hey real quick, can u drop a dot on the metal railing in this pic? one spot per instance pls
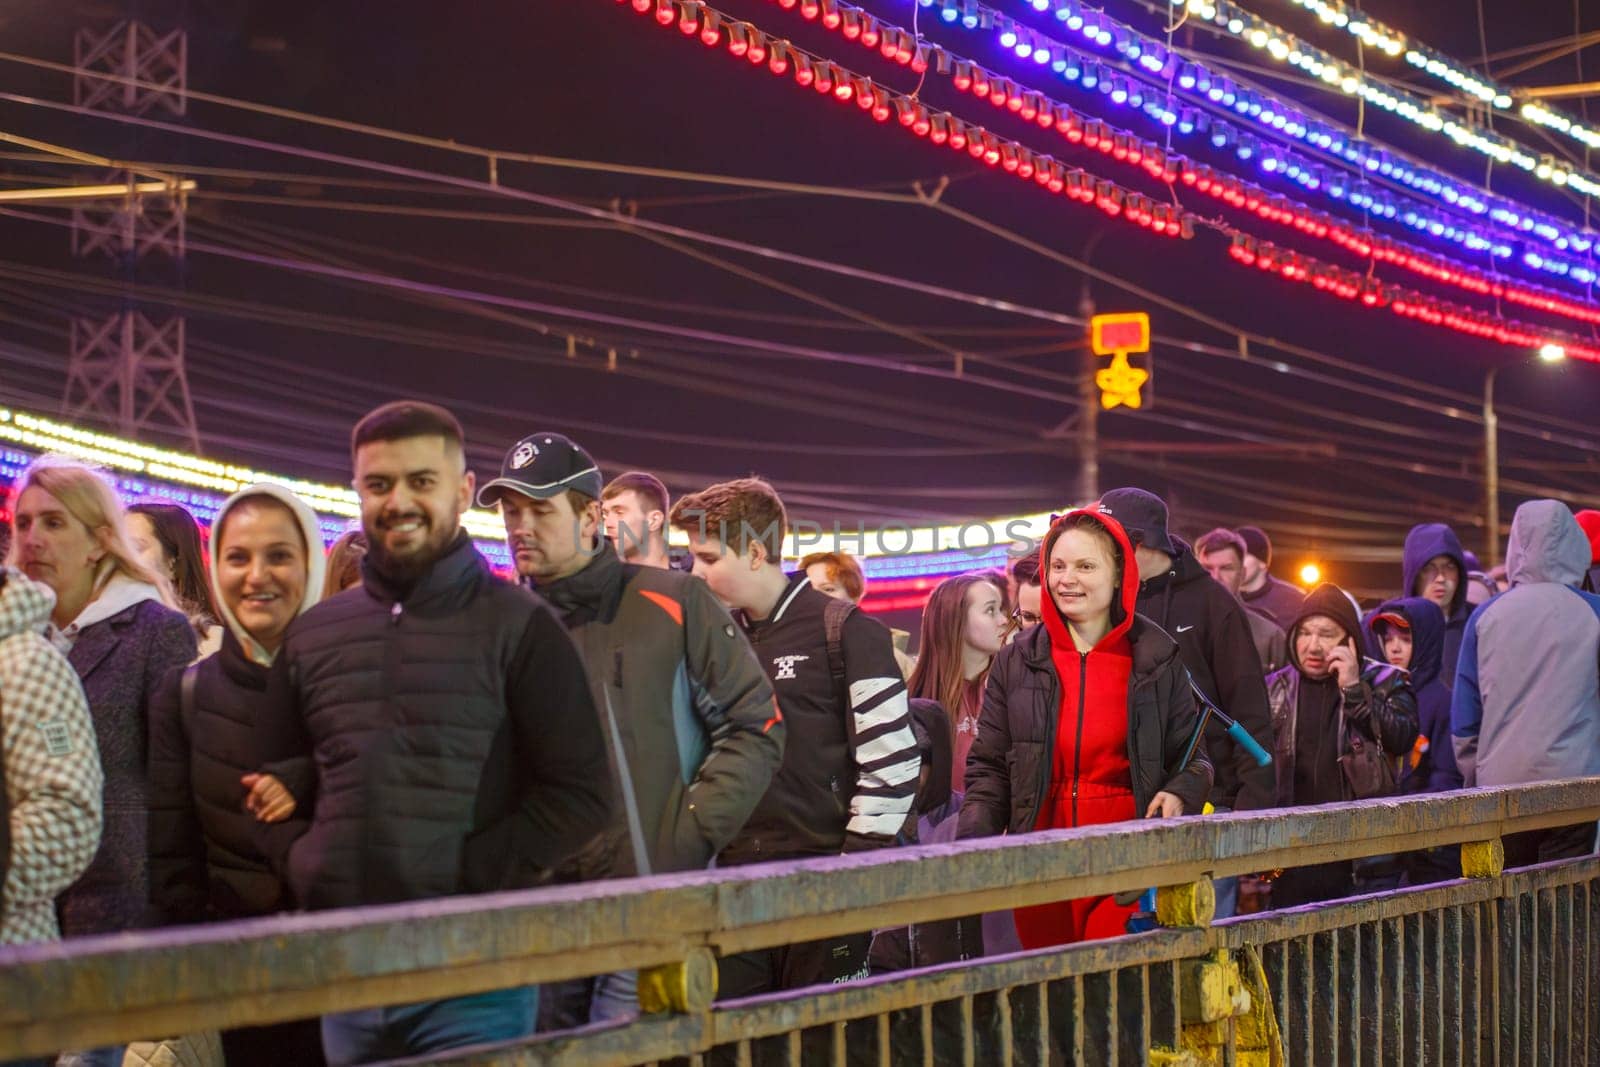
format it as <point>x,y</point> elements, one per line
<point>1501,969</point>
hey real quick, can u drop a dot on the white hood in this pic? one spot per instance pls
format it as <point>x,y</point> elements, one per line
<point>316,559</point>
<point>116,596</point>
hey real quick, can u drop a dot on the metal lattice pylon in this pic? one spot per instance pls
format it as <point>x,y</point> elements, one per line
<point>129,370</point>
<point>135,226</point>
<point>134,52</point>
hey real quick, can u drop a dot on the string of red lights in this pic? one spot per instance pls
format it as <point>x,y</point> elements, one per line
<point>1123,146</point>
<point>782,58</point>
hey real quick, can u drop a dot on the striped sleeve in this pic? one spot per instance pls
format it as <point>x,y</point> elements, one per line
<point>882,745</point>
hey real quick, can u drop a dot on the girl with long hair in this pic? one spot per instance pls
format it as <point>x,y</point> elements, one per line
<point>963,625</point>
<point>168,539</point>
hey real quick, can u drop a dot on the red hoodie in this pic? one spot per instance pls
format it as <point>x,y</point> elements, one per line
<point>1090,780</point>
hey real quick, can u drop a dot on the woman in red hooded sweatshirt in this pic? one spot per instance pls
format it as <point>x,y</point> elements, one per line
<point>1085,719</point>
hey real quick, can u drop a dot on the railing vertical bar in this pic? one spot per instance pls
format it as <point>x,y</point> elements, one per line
<point>1274,957</point>
<point>1022,1014</point>
<point>794,1049</point>
<point>1371,982</point>
<point>1495,989</point>
<point>885,1045</point>
<point>1165,1023</point>
<point>1100,1018</point>
<point>1079,1018</point>
<point>927,1035</point>
<point>1509,949</point>
<point>1419,1010</point>
<point>1003,1018</point>
<point>1297,991</point>
<point>1528,988</point>
<point>1591,934</point>
<point>1324,998</point>
<point>1391,936</point>
<point>1044,1025</point>
<point>1131,1032</point>
<point>1347,995</point>
<point>742,1056</point>
<point>1544,995</point>
<point>1431,971</point>
<point>1448,972</point>
<point>838,1047</point>
<point>1562,953</point>
<point>968,1043</point>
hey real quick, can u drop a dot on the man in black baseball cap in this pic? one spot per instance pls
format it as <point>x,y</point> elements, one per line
<point>687,712</point>
<point>549,496</point>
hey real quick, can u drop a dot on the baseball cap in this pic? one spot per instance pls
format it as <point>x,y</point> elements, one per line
<point>1142,514</point>
<point>543,465</point>
<point>1392,618</point>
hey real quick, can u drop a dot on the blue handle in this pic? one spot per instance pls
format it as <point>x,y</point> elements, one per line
<point>1242,738</point>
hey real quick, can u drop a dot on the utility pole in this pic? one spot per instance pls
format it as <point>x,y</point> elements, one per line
<point>128,368</point>
<point>1087,487</point>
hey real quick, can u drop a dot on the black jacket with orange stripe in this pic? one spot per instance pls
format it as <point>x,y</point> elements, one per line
<point>691,726</point>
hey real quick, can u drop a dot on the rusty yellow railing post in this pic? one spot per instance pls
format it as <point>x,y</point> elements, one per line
<point>1192,904</point>
<point>687,988</point>
<point>1483,859</point>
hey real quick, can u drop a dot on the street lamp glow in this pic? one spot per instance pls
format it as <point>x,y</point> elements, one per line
<point>1552,353</point>
<point>1310,574</point>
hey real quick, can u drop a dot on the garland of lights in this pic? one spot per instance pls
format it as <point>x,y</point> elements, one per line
<point>904,557</point>
<point>939,127</point>
<point>1103,32</point>
<point>1285,48</point>
<point>1277,116</point>
<point>1220,91</point>
<point>743,39</point>
<point>1357,287</point>
<point>1440,66</point>
<point>179,468</point>
<point>1124,147</point>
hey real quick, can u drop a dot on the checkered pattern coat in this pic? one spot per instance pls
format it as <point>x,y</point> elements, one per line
<point>52,766</point>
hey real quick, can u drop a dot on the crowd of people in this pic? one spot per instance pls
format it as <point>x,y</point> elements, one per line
<point>211,725</point>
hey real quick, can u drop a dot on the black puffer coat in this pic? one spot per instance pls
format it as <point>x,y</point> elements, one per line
<point>204,861</point>
<point>455,741</point>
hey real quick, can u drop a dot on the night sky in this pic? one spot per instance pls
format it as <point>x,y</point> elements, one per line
<point>1332,459</point>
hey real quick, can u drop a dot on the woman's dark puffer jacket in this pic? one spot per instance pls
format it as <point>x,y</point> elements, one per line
<point>1008,770</point>
<point>203,864</point>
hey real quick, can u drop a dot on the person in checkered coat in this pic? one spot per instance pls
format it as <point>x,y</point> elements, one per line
<point>52,779</point>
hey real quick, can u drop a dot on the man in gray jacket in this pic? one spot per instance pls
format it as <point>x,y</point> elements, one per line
<point>691,726</point>
<point>1526,703</point>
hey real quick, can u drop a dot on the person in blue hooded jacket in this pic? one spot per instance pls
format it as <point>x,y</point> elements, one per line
<point>1411,631</point>
<point>1526,705</point>
<point>1435,568</point>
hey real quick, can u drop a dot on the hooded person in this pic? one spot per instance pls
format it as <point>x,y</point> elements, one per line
<point>1435,568</point>
<point>1214,637</point>
<point>1320,701</point>
<point>266,570</point>
<point>1087,718</point>
<point>1410,633</point>
<point>1526,706</point>
<point>1589,521</point>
